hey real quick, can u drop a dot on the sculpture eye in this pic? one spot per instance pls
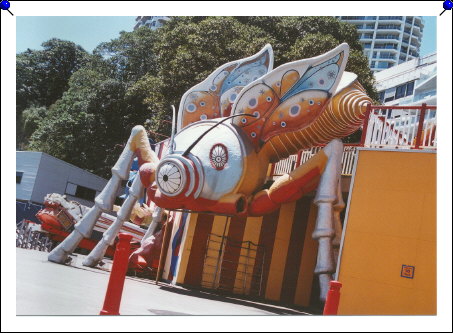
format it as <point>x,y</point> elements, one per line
<point>218,156</point>
<point>169,179</point>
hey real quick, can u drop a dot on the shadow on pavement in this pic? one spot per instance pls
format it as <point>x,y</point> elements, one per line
<point>222,298</point>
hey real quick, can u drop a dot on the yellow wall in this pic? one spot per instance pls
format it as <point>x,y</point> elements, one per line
<point>280,251</point>
<point>391,222</point>
<point>186,246</point>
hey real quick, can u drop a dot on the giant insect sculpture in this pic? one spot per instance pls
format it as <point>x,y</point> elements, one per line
<point>244,116</point>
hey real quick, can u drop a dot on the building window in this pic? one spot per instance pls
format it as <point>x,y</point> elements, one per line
<point>19,175</point>
<point>410,88</point>
<point>80,191</point>
<point>400,91</point>
<point>404,90</point>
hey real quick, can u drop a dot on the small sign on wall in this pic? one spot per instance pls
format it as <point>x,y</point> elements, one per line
<point>407,271</point>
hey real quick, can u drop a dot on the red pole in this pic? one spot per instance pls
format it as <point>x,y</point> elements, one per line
<point>117,276</point>
<point>333,299</point>
<point>420,126</point>
<point>365,124</point>
<point>272,171</point>
<point>299,158</point>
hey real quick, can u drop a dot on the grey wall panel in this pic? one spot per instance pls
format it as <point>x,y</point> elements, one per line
<point>54,174</point>
<point>28,163</point>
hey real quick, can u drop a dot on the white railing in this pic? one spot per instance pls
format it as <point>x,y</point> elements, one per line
<point>283,166</point>
<point>292,162</point>
<point>392,132</point>
<point>402,127</point>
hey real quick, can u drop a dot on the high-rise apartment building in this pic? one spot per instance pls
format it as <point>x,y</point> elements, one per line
<point>388,40</point>
<point>152,22</point>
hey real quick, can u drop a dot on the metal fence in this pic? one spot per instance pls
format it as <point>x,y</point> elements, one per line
<point>240,276</point>
<point>27,237</point>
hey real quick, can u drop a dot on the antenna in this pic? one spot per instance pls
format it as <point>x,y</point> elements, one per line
<point>173,126</point>
<point>210,129</point>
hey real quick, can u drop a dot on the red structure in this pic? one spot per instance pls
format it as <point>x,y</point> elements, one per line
<point>117,276</point>
<point>333,299</point>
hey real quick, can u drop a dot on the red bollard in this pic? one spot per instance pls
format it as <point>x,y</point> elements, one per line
<point>117,276</point>
<point>332,299</point>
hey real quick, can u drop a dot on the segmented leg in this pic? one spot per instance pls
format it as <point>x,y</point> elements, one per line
<point>104,201</point>
<point>108,238</point>
<point>148,161</point>
<point>157,218</point>
<point>324,232</point>
<point>337,209</point>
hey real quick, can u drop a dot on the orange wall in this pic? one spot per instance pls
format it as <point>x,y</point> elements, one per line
<point>391,222</point>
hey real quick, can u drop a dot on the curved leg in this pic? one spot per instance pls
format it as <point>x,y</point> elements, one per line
<point>324,231</point>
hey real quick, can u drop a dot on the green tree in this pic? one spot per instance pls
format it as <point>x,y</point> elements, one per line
<point>42,76</point>
<point>131,55</point>
<point>134,78</point>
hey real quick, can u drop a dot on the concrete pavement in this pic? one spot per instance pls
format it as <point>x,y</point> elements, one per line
<point>45,288</point>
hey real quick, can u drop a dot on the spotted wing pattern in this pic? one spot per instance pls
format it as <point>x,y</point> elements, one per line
<point>214,97</point>
<point>290,97</point>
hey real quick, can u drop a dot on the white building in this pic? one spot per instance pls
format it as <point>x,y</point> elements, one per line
<point>411,83</point>
<point>38,174</point>
<point>152,22</point>
<point>388,40</point>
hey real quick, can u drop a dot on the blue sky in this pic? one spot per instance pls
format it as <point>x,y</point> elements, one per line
<point>429,35</point>
<point>89,31</point>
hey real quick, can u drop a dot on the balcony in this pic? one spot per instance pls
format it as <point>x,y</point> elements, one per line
<point>415,42</point>
<point>389,27</point>
<point>394,37</point>
<point>359,18</point>
<point>390,18</point>
<point>424,95</point>
<point>385,47</point>
<point>391,57</point>
<point>383,65</point>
